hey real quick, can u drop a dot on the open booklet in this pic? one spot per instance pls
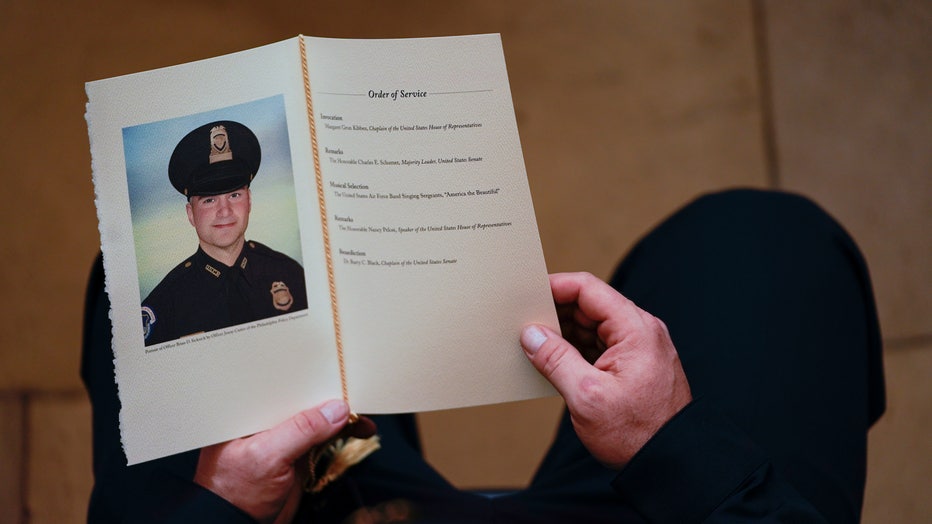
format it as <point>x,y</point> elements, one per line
<point>382,246</point>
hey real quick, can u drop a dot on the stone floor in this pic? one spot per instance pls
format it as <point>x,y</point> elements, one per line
<point>626,110</point>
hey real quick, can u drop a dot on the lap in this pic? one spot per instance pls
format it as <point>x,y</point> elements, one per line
<point>769,304</point>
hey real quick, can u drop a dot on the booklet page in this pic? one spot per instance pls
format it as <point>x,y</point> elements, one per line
<point>196,363</point>
<point>436,252</point>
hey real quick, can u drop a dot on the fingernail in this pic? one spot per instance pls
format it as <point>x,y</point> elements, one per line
<point>335,411</point>
<point>532,338</point>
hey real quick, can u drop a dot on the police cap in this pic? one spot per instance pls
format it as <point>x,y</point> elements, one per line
<point>215,158</point>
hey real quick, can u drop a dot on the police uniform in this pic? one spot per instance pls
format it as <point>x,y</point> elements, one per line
<point>202,294</point>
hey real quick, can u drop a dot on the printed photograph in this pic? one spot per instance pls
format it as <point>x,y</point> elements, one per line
<point>214,220</point>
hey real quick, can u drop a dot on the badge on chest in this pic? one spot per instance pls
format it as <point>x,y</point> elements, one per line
<point>281,296</point>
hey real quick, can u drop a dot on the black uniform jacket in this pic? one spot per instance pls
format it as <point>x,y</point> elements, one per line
<point>201,294</point>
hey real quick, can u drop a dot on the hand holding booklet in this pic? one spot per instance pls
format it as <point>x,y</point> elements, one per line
<point>313,219</point>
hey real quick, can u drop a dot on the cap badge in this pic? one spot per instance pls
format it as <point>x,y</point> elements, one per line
<point>281,296</point>
<point>219,145</point>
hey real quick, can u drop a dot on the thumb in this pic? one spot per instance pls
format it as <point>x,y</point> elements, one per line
<point>293,437</point>
<point>556,359</point>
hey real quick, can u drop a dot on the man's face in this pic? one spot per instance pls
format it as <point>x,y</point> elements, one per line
<point>220,220</point>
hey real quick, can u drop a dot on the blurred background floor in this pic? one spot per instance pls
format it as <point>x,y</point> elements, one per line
<point>626,110</point>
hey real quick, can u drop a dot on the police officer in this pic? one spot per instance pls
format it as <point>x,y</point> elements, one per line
<point>229,280</point>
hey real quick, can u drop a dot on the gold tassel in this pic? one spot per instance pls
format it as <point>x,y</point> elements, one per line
<point>339,455</point>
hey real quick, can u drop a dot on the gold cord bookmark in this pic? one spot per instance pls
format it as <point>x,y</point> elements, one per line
<point>322,205</point>
<point>331,459</point>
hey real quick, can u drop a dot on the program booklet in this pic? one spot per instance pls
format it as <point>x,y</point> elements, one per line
<point>313,219</point>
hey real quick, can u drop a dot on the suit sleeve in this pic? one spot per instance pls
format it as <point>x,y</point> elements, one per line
<point>701,468</point>
<point>156,491</point>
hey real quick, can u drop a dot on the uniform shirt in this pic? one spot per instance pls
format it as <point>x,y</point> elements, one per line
<point>201,294</point>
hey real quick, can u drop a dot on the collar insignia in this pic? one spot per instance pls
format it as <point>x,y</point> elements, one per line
<point>212,270</point>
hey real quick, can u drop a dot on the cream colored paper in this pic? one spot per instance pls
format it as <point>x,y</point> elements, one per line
<point>433,290</point>
<point>415,336</point>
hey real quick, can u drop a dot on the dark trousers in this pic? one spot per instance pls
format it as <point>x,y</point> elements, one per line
<point>769,304</point>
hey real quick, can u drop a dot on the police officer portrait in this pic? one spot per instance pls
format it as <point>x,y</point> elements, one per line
<point>226,278</point>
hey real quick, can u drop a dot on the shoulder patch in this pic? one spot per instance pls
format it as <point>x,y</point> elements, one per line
<point>148,318</point>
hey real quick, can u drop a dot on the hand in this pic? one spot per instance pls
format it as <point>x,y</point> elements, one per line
<point>257,473</point>
<point>635,383</point>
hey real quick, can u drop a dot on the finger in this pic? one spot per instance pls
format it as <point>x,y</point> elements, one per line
<point>576,326</point>
<point>599,305</point>
<point>556,359</point>
<point>592,296</point>
<point>567,287</point>
<point>293,437</point>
